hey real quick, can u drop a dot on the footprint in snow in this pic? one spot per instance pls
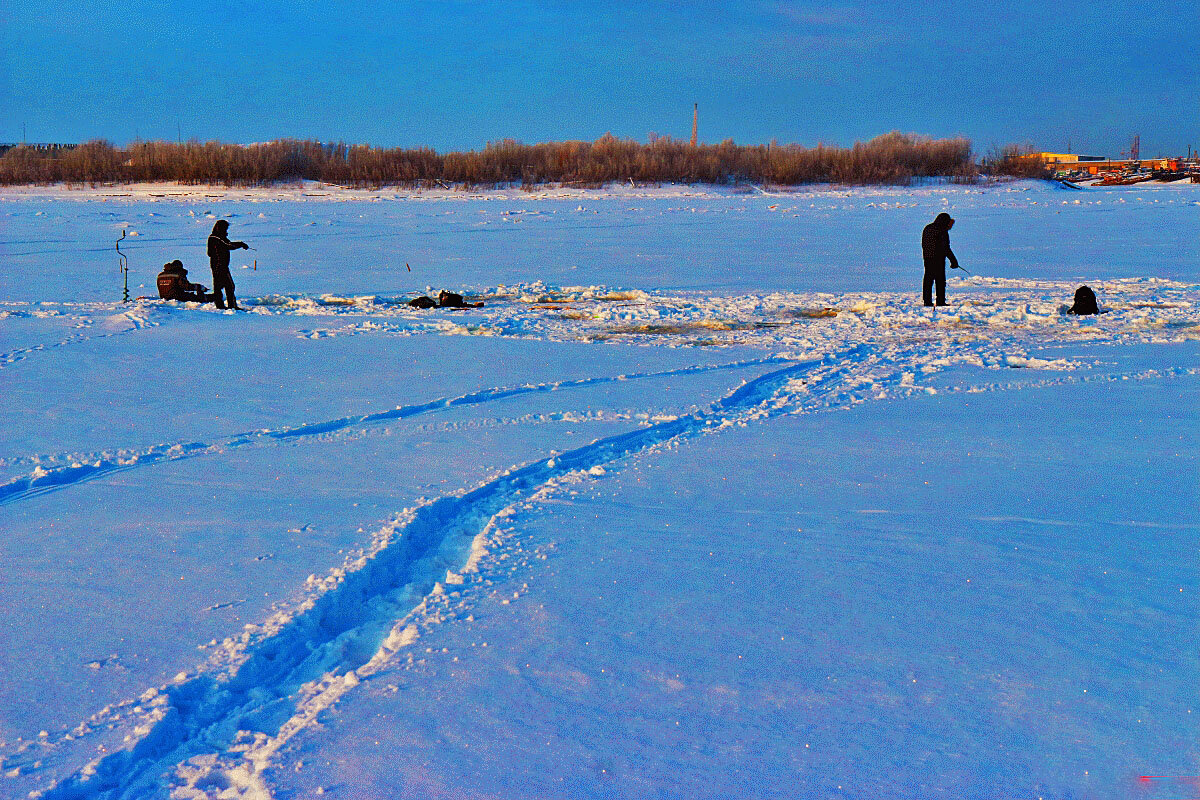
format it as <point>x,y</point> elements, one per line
<point>229,604</point>
<point>109,661</point>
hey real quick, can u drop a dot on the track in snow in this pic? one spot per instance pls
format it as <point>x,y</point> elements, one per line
<point>306,660</point>
<point>342,635</point>
<point>85,468</point>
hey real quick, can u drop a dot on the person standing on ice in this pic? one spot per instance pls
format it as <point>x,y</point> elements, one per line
<point>219,248</point>
<point>935,249</point>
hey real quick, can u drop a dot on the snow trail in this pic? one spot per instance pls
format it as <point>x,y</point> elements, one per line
<point>223,726</point>
<point>90,467</point>
<point>118,324</point>
<point>331,642</point>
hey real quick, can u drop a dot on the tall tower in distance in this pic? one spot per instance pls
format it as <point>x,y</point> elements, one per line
<point>695,122</point>
<point>1135,147</point>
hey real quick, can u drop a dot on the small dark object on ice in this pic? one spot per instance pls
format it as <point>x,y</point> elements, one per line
<point>452,300</point>
<point>445,300</point>
<point>1085,302</point>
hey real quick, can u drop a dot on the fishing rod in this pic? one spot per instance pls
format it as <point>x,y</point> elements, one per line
<point>964,271</point>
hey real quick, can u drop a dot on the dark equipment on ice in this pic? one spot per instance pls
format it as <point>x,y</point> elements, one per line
<point>445,300</point>
<point>1085,302</point>
<point>174,285</point>
<point>124,268</point>
<point>452,300</point>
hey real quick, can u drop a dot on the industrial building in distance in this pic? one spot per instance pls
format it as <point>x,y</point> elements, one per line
<point>1095,165</point>
<point>1117,171</point>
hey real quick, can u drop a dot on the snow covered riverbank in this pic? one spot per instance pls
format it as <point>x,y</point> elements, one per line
<point>701,500</point>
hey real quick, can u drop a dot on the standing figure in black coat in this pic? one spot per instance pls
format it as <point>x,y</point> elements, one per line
<point>219,248</point>
<point>935,249</point>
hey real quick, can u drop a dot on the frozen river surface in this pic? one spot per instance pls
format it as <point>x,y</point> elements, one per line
<point>700,502</point>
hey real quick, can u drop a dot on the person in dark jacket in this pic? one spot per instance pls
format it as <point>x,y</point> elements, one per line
<point>1085,302</point>
<point>219,248</point>
<point>935,249</point>
<point>174,285</point>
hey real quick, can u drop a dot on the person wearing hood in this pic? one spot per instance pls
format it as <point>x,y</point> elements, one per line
<point>219,248</point>
<point>935,249</point>
<point>173,284</point>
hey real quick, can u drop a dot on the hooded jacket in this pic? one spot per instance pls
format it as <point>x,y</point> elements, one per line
<point>219,246</point>
<point>935,243</point>
<point>173,283</point>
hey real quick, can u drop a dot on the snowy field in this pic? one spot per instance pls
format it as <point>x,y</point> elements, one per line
<point>701,503</point>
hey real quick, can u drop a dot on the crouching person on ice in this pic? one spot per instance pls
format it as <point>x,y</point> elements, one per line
<point>1085,302</point>
<point>174,285</point>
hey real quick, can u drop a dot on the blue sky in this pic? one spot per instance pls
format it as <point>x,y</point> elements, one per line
<point>455,75</point>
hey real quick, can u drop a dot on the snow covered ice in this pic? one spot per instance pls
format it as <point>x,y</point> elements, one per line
<point>701,502</point>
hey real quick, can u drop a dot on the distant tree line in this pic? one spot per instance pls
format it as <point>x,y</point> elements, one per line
<point>892,158</point>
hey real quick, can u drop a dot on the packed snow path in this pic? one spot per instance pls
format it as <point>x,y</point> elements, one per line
<point>43,480</point>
